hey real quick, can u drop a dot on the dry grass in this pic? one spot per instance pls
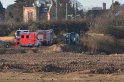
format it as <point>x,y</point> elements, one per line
<point>8,38</point>
<point>102,43</point>
<point>54,48</point>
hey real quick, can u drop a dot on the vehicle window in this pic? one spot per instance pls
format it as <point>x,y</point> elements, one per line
<point>22,36</point>
<point>27,36</point>
<point>18,33</point>
<point>40,37</point>
<point>25,31</point>
<point>73,36</point>
<point>1,42</point>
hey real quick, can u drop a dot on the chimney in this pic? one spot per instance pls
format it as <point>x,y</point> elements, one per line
<point>104,6</point>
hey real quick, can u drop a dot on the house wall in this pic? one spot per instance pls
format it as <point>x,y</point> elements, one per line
<point>30,14</point>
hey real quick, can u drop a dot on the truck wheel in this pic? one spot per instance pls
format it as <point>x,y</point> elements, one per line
<point>7,46</point>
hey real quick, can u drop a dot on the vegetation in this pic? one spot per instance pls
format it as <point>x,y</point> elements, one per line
<point>58,27</point>
<point>15,11</point>
<point>103,36</point>
<point>104,33</point>
<point>102,44</point>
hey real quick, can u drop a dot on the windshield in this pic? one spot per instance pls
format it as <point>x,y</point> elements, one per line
<point>73,36</point>
<point>18,33</point>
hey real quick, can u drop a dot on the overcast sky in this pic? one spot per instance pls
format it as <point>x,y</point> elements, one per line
<point>86,3</point>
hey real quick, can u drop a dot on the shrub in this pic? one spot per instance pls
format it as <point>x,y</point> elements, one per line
<point>108,26</point>
<point>116,31</point>
<point>58,27</point>
<point>101,43</point>
<point>99,25</point>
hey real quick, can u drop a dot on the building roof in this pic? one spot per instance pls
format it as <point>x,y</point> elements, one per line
<point>97,8</point>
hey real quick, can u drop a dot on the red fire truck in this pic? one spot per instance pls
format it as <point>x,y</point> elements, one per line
<point>31,39</point>
<point>45,37</point>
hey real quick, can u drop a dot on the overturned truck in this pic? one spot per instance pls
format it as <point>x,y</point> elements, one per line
<point>71,38</point>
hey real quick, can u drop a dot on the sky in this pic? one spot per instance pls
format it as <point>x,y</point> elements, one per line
<point>88,4</point>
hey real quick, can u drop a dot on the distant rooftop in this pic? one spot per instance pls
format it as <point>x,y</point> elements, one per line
<point>97,8</point>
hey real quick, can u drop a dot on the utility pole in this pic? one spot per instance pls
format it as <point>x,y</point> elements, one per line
<point>56,10</point>
<point>66,11</point>
<point>75,9</point>
<point>113,7</point>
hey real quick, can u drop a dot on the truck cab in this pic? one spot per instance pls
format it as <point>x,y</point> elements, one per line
<point>18,32</point>
<point>29,40</point>
<point>17,35</point>
<point>71,38</point>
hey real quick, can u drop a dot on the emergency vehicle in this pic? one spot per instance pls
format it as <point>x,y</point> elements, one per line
<point>26,38</point>
<point>45,37</point>
<point>72,38</point>
<point>17,35</point>
<point>18,32</point>
<point>29,39</point>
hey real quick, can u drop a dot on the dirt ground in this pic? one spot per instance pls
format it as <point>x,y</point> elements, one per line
<point>59,67</point>
<point>50,77</point>
<point>8,39</point>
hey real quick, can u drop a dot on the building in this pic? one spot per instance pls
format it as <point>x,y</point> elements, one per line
<point>37,11</point>
<point>47,10</point>
<point>2,12</point>
<point>104,6</point>
<point>30,14</point>
<point>97,11</point>
<point>97,8</point>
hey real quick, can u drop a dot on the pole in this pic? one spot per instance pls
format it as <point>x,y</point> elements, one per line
<point>48,13</point>
<point>48,16</point>
<point>56,10</point>
<point>113,8</point>
<point>75,10</point>
<point>66,11</point>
